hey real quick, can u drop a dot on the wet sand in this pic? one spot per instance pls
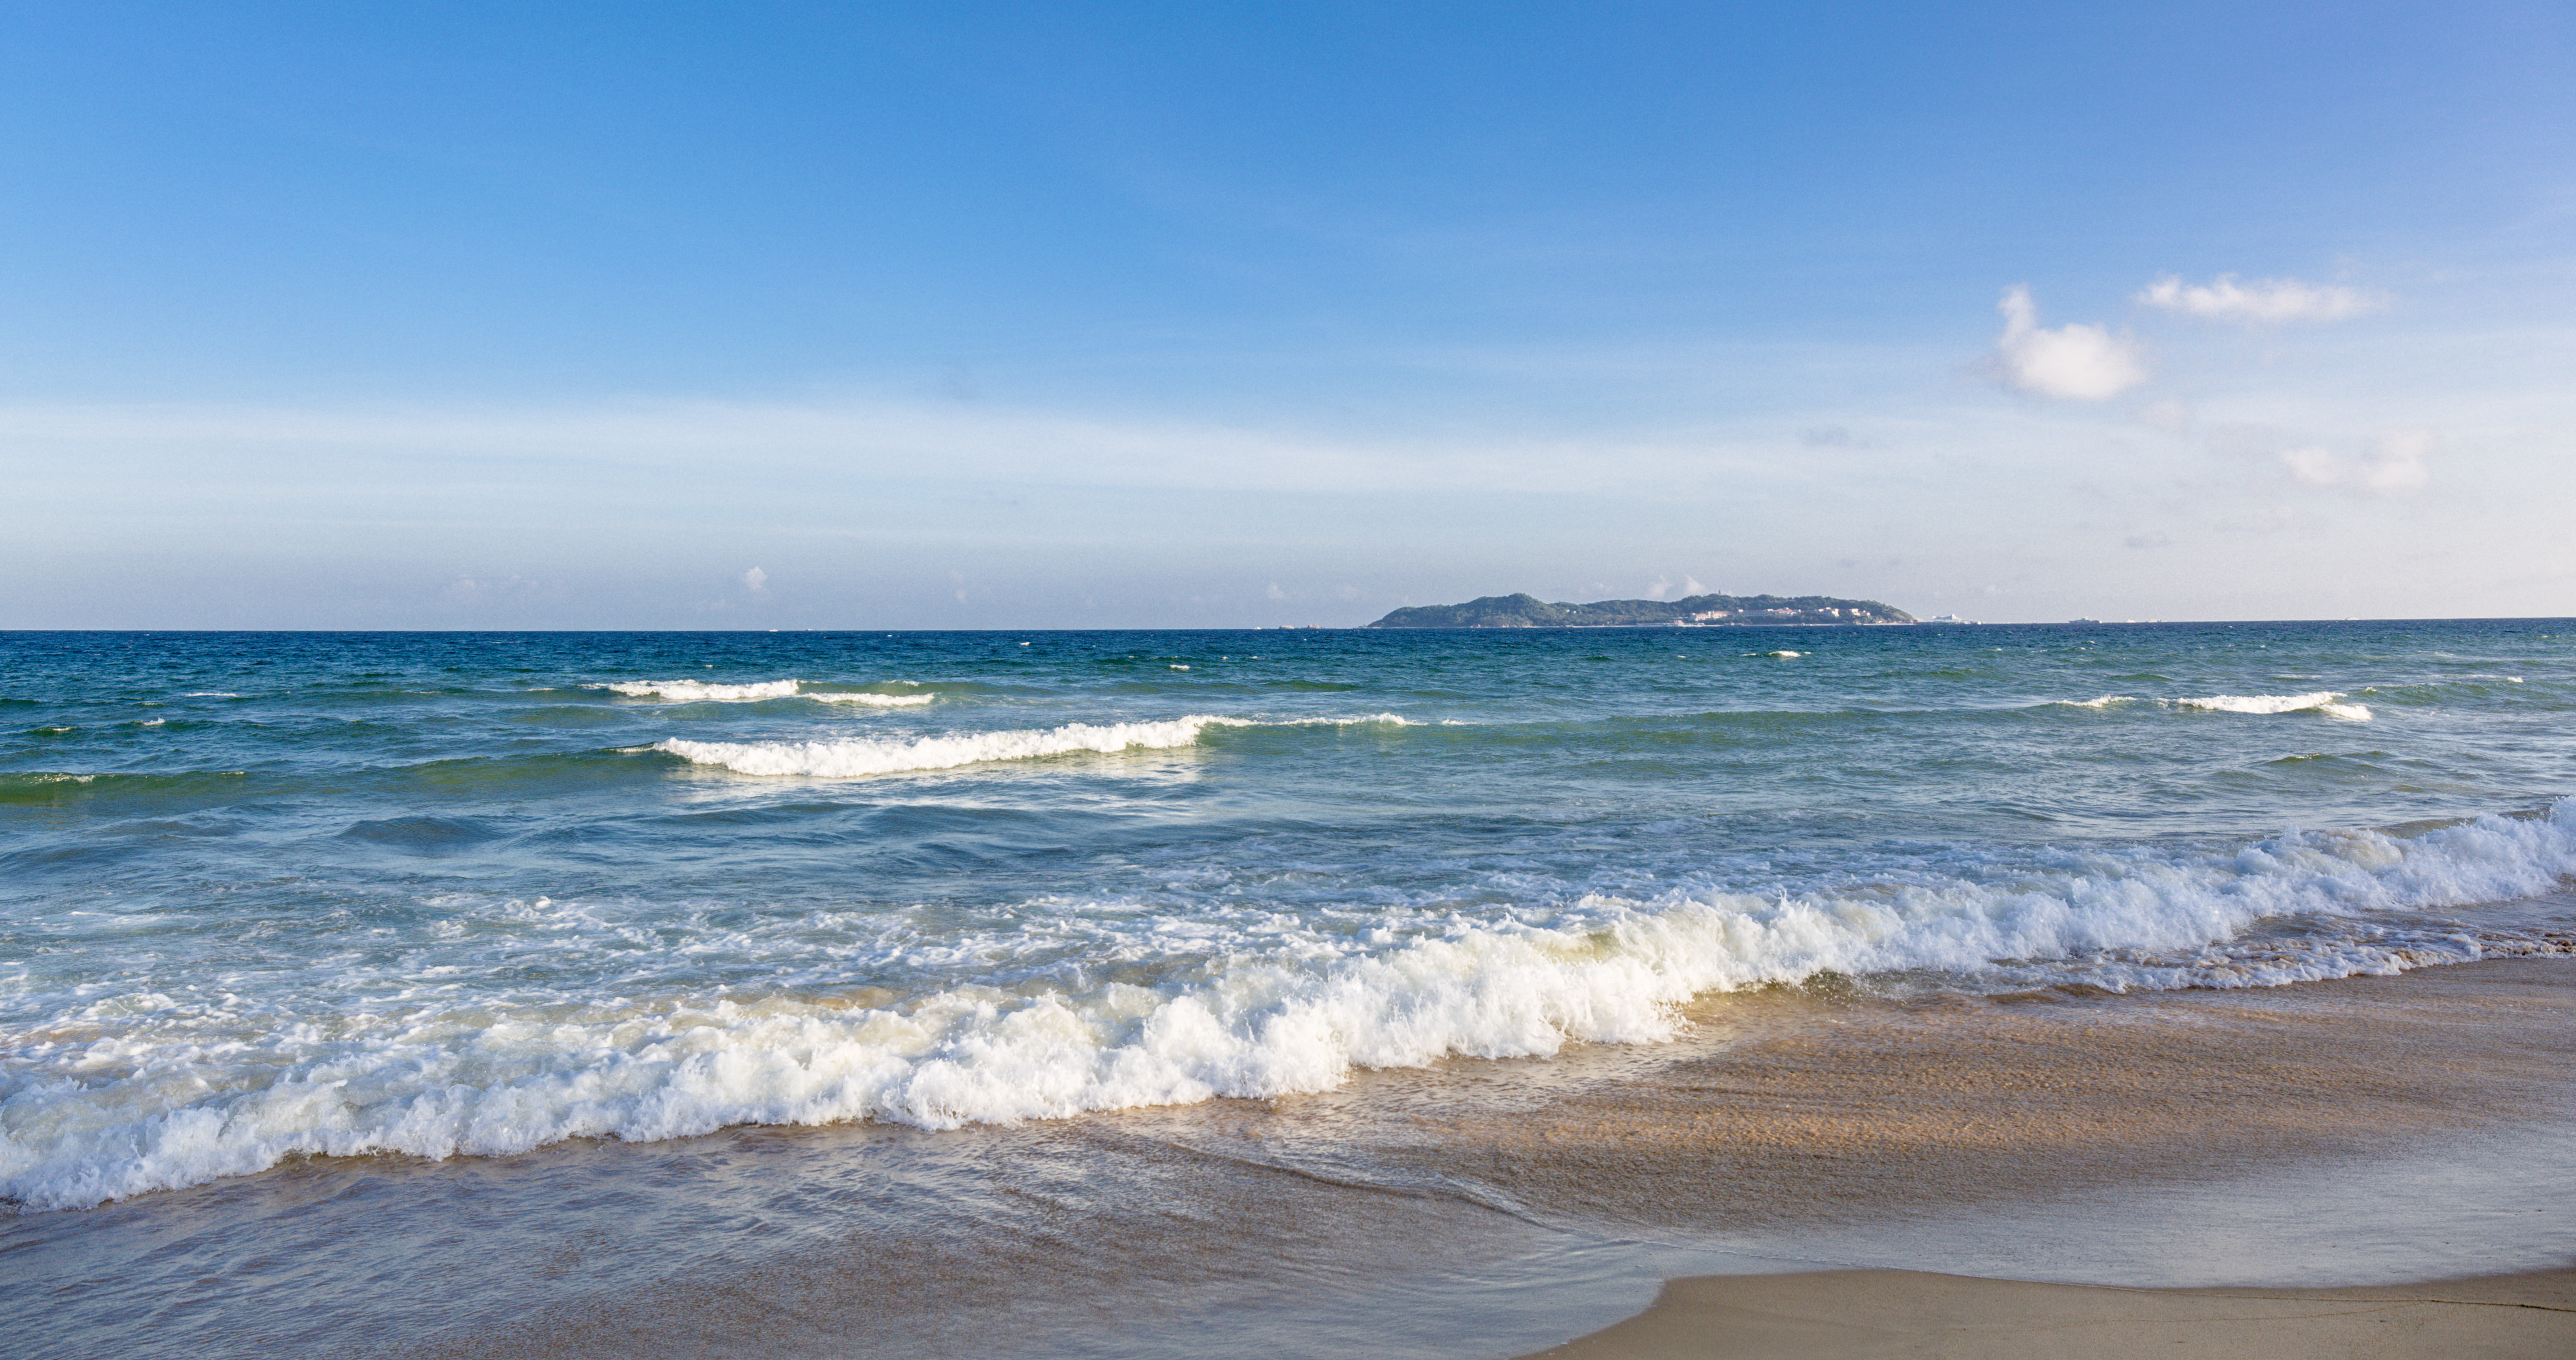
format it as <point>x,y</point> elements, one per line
<point>1962,1103</point>
<point>1851,1314</point>
<point>1801,1109</point>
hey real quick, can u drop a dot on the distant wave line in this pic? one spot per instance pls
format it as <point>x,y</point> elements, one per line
<point>706,691</point>
<point>858,757</point>
<point>2316,701</point>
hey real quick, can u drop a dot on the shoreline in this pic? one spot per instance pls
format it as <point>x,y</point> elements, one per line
<point>1848,1314</point>
<point>1794,1117</point>
<point>2307,1137</point>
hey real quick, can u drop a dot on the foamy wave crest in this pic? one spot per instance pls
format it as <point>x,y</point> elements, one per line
<point>877,700</point>
<point>857,757</point>
<point>2320,701</point>
<point>701,691</point>
<point>1254,1009</point>
<point>2106,701</point>
<point>40,778</point>
<point>853,757</point>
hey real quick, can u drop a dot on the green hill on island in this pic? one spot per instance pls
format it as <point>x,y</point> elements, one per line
<point>1697,611</point>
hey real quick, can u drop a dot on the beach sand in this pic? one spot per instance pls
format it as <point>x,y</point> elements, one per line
<point>1851,1314</point>
<point>1939,1105</point>
<point>1801,1108</point>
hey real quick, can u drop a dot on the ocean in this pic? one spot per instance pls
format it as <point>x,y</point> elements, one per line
<point>378,921</point>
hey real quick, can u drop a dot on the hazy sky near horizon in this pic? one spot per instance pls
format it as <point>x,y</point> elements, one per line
<point>773,315</point>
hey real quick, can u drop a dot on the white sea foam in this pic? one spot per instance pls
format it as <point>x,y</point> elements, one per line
<point>701,691</point>
<point>851,757</point>
<point>2319,701</point>
<point>1247,1008</point>
<point>2322,701</point>
<point>857,757</point>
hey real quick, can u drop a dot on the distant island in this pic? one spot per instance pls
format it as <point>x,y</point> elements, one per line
<point>1698,611</point>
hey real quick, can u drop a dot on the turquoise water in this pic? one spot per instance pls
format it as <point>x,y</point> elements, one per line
<point>264,895</point>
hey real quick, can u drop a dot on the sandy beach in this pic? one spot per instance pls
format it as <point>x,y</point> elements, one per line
<point>1807,1106</point>
<point>1847,1315</point>
<point>1977,1103</point>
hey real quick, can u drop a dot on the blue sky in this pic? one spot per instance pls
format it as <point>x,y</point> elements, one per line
<point>1024,316</point>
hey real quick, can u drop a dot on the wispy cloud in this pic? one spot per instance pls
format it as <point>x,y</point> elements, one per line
<point>2225,299</point>
<point>947,442</point>
<point>472,591</point>
<point>2395,464</point>
<point>2071,362</point>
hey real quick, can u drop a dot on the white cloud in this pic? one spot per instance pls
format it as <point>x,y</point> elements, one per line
<point>2400,464</point>
<point>2072,362</point>
<point>2315,466</point>
<point>1276,593</point>
<point>2395,464</point>
<point>2224,299</point>
<point>755,580</point>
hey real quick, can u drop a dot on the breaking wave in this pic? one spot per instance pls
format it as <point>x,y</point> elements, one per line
<point>1188,1003</point>
<point>852,757</point>
<point>2320,701</point>
<point>701,691</point>
<point>857,757</point>
<point>704,691</point>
